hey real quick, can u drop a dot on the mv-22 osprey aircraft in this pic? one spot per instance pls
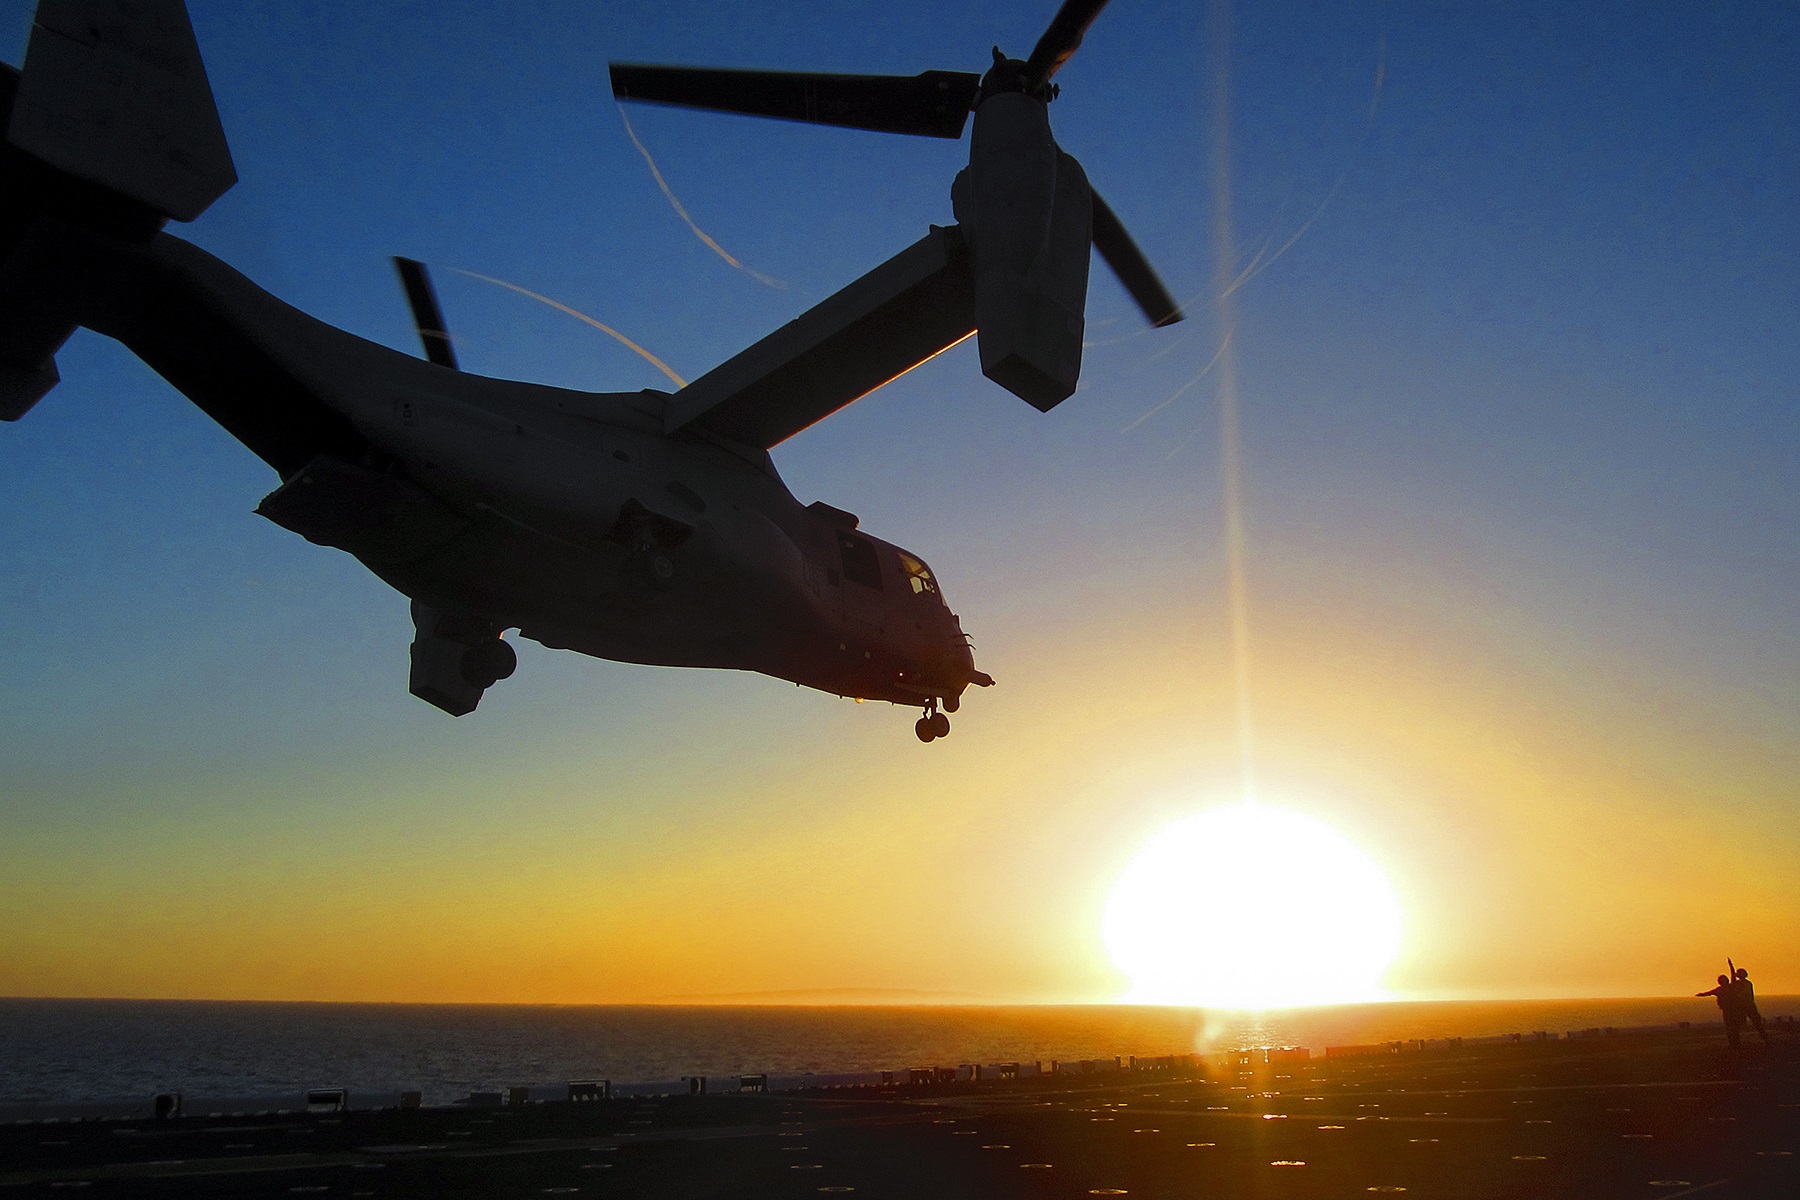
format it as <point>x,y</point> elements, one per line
<point>645,527</point>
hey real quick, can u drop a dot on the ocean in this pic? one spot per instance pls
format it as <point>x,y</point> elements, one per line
<point>57,1050</point>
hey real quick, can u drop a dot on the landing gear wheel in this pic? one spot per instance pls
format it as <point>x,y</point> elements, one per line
<point>486,663</point>
<point>951,703</point>
<point>926,730</point>
<point>940,725</point>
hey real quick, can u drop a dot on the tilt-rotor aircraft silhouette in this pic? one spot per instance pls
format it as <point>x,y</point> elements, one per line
<point>645,527</point>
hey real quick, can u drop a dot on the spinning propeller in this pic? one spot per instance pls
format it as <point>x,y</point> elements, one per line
<point>1024,206</point>
<point>427,316</point>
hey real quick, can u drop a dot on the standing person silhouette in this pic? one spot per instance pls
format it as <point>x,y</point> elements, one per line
<point>1745,995</point>
<point>1726,995</point>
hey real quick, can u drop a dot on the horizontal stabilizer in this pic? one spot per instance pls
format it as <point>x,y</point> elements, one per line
<point>114,93</point>
<point>915,305</point>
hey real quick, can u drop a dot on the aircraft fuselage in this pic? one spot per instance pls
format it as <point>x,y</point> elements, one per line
<point>571,516</point>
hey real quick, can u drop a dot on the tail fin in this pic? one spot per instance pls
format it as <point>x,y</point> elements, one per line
<point>111,130</point>
<point>114,93</point>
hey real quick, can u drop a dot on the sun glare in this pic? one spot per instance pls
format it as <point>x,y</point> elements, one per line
<point>1249,906</point>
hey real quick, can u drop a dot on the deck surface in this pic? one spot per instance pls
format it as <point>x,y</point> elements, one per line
<point>1665,1115</point>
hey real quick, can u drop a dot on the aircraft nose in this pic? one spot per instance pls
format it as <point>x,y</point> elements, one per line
<point>960,661</point>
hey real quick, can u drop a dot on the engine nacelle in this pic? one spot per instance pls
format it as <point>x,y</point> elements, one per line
<point>1026,212</point>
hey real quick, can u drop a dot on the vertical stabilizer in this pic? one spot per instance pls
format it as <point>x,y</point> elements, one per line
<point>114,93</point>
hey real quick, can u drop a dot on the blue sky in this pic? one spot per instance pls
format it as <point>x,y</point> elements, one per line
<point>1519,407</point>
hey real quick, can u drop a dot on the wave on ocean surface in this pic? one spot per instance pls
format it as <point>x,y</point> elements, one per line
<point>56,1050</point>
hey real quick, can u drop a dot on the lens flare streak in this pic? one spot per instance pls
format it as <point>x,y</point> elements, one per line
<point>1230,453</point>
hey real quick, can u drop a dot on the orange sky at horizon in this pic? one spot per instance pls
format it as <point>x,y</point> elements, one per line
<point>1535,817</point>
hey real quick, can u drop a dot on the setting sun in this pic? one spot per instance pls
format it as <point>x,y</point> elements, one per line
<point>1249,906</point>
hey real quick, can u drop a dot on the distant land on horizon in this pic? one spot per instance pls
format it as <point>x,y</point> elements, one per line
<point>872,997</point>
<point>797,997</point>
<point>875,997</point>
<point>901,997</point>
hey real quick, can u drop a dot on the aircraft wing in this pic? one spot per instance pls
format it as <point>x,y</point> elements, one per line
<point>915,305</point>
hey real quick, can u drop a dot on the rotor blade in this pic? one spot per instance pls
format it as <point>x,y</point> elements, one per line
<point>1063,37</point>
<point>426,314</point>
<point>1132,268</point>
<point>931,104</point>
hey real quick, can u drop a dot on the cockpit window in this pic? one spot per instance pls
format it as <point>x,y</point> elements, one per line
<point>861,563</point>
<point>918,574</point>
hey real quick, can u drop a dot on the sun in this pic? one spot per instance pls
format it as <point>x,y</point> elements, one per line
<point>1248,906</point>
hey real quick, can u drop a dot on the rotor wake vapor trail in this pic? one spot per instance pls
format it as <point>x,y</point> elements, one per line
<point>648,357</point>
<point>1183,389</point>
<point>1231,458</point>
<point>682,212</point>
